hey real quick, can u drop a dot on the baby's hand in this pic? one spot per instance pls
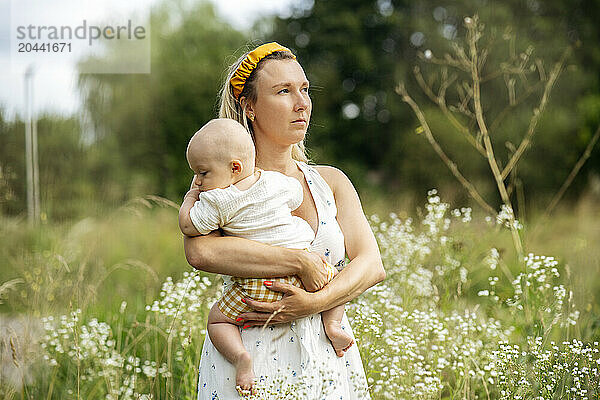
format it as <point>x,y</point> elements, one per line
<point>195,192</point>
<point>190,198</point>
<point>314,275</point>
<point>185,223</point>
<point>194,185</point>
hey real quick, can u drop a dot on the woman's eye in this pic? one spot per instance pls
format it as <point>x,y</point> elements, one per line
<point>305,89</point>
<point>284,91</point>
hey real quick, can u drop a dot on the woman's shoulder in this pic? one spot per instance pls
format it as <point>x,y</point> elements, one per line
<point>329,171</point>
<point>335,177</point>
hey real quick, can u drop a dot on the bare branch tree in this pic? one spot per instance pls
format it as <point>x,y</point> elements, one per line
<point>537,113</point>
<point>586,154</point>
<point>401,90</point>
<point>523,75</point>
<point>474,32</point>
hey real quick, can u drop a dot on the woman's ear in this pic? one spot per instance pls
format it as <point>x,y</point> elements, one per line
<point>247,107</point>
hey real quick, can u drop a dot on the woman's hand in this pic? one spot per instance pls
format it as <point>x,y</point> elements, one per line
<point>296,303</point>
<point>313,273</point>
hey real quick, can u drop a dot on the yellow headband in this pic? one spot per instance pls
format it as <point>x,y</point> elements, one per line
<point>238,80</point>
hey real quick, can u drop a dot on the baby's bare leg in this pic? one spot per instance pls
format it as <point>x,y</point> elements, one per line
<point>226,338</point>
<point>332,322</point>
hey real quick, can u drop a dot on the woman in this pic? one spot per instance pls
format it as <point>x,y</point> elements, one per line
<point>267,91</point>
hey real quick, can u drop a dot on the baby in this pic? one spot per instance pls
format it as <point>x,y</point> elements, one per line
<point>229,193</point>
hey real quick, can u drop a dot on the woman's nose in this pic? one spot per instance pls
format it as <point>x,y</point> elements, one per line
<point>302,102</point>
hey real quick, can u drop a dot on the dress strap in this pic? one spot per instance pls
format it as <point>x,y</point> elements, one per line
<point>329,239</point>
<point>319,188</point>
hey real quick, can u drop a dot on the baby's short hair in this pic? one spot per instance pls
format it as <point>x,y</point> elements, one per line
<point>225,138</point>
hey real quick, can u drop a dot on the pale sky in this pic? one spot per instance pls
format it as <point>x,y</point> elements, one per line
<point>55,79</point>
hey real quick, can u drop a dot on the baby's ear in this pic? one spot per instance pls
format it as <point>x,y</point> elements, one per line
<point>236,167</point>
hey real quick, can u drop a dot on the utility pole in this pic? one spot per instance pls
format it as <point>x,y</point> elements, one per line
<point>31,152</point>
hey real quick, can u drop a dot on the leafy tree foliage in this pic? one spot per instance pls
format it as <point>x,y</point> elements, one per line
<point>68,182</point>
<point>131,138</point>
<point>352,53</point>
<point>355,52</point>
<point>145,121</point>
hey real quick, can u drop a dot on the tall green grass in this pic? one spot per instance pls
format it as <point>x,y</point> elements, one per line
<point>108,308</point>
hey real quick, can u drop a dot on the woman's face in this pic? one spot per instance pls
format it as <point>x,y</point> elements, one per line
<point>283,106</point>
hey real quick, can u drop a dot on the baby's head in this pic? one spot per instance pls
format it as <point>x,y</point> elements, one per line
<point>221,153</point>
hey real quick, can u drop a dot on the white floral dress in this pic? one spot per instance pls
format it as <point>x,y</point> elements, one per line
<point>294,360</point>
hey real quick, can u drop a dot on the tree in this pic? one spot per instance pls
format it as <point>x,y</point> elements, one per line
<point>67,181</point>
<point>352,54</point>
<point>355,52</point>
<point>143,122</point>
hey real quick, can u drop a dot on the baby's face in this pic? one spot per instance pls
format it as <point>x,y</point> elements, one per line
<point>210,172</point>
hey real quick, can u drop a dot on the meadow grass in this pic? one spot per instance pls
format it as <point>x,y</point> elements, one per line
<point>108,307</point>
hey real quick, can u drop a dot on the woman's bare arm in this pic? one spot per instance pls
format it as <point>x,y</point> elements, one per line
<point>364,270</point>
<point>229,255</point>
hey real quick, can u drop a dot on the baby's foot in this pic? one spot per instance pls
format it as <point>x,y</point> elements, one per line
<point>340,340</point>
<point>244,376</point>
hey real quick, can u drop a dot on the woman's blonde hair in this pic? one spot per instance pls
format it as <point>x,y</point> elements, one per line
<point>230,106</point>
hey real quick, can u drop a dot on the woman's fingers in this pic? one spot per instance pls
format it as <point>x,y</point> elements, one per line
<point>259,319</point>
<point>253,316</point>
<point>262,306</point>
<point>281,287</point>
<point>277,306</point>
<point>263,311</point>
<point>296,303</point>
